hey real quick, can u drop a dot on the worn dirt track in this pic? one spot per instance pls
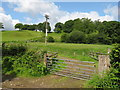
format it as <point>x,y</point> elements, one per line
<point>49,81</point>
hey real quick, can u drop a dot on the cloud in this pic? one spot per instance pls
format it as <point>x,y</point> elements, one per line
<point>41,7</point>
<point>28,19</point>
<point>7,20</point>
<point>91,15</point>
<point>112,11</point>
<point>2,10</point>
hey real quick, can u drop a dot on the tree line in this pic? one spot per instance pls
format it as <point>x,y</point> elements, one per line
<point>41,27</point>
<point>81,30</point>
<point>87,31</point>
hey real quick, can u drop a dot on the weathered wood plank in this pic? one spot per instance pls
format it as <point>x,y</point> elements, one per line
<point>84,72</point>
<point>84,75</point>
<point>74,64</point>
<point>74,67</point>
<point>72,60</point>
<point>71,76</point>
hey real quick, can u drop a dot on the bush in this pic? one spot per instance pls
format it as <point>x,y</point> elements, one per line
<point>103,39</point>
<point>91,38</point>
<point>13,49</point>
<point>29,63</point>
<point>65,38</point>
<point>77,37</point>
<point>107,81</point>
<point>50,39</point>
<point>37,39</point>
<point>115,57</point>
<point>42,39</point>
<point>115,60</point>
<point>73,37</point>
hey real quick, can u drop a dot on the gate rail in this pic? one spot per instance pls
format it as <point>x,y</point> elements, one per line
<point>71,68</point>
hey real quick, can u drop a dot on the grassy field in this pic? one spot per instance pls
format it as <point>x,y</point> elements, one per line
<point>25,35</point>
<point>65,50</point>
<point>71,51</point>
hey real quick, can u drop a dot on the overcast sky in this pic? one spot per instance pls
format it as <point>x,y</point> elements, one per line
<point>33,11</point>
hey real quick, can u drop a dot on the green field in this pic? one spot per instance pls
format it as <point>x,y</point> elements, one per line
<point>65,50</point>
<point>25,35</point>
<point>72,51</point>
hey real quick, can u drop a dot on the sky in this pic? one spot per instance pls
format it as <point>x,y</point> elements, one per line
<point>33,11</point>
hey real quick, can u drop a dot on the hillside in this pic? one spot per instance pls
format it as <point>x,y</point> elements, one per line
<point>25,35</point>
<point>65,50</point>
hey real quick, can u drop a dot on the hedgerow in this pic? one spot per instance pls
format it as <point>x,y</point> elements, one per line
<point>18,60</point>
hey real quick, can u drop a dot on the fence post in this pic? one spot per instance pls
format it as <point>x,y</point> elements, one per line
<point>45,59</point>
<point>104,63</point>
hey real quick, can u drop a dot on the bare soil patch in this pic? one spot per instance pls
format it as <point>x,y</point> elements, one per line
<point>49,81</point>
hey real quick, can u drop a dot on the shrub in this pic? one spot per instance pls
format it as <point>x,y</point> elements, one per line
<point>64,38</point>
<point>13,49</point>
<point>115,60</point>
<point>7,63</point>
<point>29,63</point>
<point>91,38</point>
<point>77,37</point>
<point>107,81</point>
<point>115,57</point>
<point>103,39</point>
<point>50,39</point>
<point>37,39</point>
<point>42,39</point>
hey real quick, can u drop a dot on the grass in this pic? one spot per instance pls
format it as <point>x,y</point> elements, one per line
<point>72,51</point>
<point>65,50</point>
<point>25,35</point>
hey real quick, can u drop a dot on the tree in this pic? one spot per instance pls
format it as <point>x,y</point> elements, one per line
<point>77,37</point>
<point>58,27</point>
<point>40,26</point>
<point>32,27</point>
<point>88,26</point>
<point>19,25</point>
<point>25,27</point>
<point>111,29</point>
<point>44,27</point>
<point>92,38</point>
<point>78,25</point>
<point>1,25</point>
<point>68,26</point>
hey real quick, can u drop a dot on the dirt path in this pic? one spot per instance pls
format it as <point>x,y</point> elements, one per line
<point>49,81</point>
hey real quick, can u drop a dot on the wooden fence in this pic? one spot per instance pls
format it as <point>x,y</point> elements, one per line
<point>71,68</point>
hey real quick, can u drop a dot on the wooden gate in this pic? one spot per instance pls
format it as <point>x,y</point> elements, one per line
<point>71,68</point>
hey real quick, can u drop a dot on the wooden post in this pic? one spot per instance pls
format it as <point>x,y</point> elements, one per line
<point>104,63</point>
<point>74,53</point>
<point>45,59</point>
